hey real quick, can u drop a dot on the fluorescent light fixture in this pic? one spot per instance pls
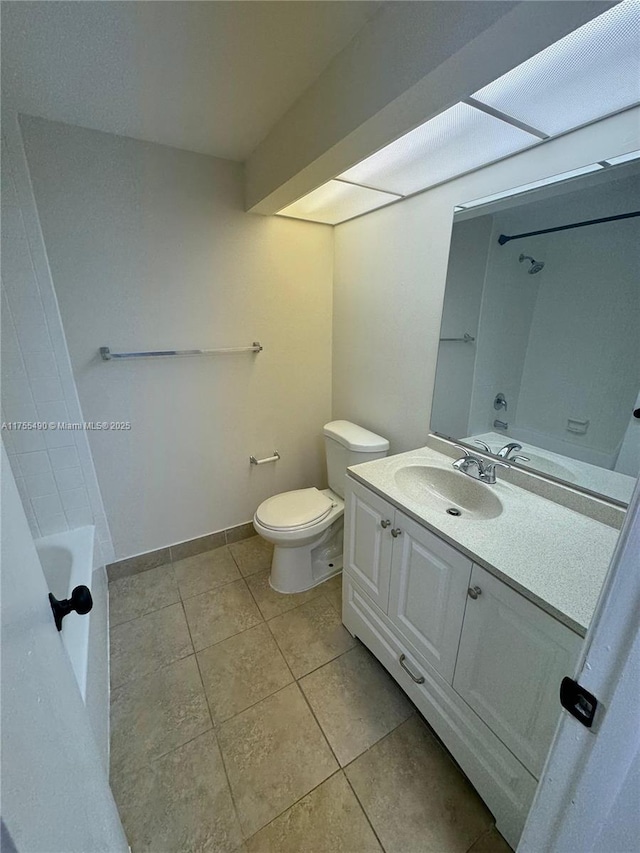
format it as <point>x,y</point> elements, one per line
<point>623,158</point>
<point>590,73</point>
<point>458,140</point>
<point>335,202</point>
<point>543,182</point>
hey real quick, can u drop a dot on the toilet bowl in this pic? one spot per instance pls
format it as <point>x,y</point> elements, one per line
<point>306,526</point>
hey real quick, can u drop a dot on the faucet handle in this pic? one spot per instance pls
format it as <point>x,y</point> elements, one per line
<point>464,450</point>
<point>497,462</point>
<point>520,458</point>
<point>482,444</point>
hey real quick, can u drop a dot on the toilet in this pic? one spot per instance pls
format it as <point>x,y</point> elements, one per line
<point>305,526</point>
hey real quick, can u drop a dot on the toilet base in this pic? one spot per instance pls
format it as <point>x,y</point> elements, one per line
<point>301,568</point>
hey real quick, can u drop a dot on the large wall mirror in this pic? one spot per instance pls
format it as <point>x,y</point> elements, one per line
<point>539,356</point>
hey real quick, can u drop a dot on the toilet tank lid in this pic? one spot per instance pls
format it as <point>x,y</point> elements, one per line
<point>355,437</point>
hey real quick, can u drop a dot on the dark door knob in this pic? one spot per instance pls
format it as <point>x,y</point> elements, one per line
<point>80,601</point>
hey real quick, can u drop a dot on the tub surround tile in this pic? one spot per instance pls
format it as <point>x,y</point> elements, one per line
<point>142,593</point>
<point>252,555</point>
<point>179,803</point>
<point>148,643</point>
<point>242,670</point>
<point>356,702</point>
<point>328,820</point>
<point>239,532</point>
<point>191,547</point>
<point>141,563</point>
<point>274,754</point>
<point>220,613</point>
<point>157,713</point>
<point>205,571</point>
<point>311,635</point>
<point>272,603</point>
<point>414,795</point>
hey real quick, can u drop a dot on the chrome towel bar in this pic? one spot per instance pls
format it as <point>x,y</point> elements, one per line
<point>466,339</point>
<point>107,355</point>
<point>274,458</point>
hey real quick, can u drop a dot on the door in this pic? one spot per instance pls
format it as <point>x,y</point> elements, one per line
<point>368,525</point>
<point>429,581</point>
<point>55,796</point>
<point>511,661</point>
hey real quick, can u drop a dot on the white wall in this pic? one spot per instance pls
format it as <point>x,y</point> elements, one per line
<point>149,249</point>
<point>390,274</point>
<point>53,469</point>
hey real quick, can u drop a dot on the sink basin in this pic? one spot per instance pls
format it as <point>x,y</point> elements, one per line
<point>449,490</point>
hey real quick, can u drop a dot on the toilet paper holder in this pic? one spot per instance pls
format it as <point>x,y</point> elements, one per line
<point>274,458</point>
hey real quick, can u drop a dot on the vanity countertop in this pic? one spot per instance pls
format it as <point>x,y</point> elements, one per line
<point>554,556</point>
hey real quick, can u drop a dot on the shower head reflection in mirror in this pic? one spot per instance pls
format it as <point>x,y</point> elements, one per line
<point>535,267</point>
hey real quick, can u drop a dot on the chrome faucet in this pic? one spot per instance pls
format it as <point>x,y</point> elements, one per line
<point>486,470</point>
<point>506,451</point>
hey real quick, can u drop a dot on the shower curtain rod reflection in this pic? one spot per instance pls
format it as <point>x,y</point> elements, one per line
<point>107,355</point>
<point>504,238</point>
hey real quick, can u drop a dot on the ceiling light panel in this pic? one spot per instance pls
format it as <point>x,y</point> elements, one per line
<point>458,140</point>
<point>335,202</point>
<point>554,179</point>
<point>590,73</point>
<point>623,158</point>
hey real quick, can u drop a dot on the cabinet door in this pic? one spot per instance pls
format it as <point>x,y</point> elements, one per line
<point>511,661</point>
<point>429,581</point>
<point>367,553</point>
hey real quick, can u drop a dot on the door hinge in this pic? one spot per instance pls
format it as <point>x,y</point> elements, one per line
<point>578,701</point>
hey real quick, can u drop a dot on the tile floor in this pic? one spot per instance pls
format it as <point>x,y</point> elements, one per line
<point>245,720</point>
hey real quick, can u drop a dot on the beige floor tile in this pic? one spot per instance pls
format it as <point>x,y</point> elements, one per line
<point>272,603</point>
<point>415,797</point>
<point>328,820</point>
<point>205,571</point>
<point>221,613</point>
<point>491,842</point>
<point>136,595</point>
<point>179,803</point>
<point>356,702</point>
<point>274,754</point>
<point>148,643</point>
<point>252,555</point>
<point>310,635</point>
<point>156,714</point>
<point>332,591</point>
<point>240,671</point>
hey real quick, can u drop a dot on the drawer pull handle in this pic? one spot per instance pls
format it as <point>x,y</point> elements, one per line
<point>402,660</point>
<point>474,592</point>
<point>385,524</point>
<point>396,532</point>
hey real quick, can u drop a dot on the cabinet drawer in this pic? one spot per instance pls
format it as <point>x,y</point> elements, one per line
<point>427,594</point>
<point>501,780</point>
<point>511,660</point>
<point>368,542</point>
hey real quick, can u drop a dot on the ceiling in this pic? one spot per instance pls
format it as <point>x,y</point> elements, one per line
<point>211,77</point>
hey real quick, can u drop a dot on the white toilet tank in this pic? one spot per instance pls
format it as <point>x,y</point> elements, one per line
<point>349,444</point>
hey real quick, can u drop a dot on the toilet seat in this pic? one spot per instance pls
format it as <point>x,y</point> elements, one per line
<point>294,510</point>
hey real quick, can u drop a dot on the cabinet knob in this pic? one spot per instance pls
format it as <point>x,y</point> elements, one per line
<point>385,524</point>
<point>396,532</point>
<point>474,592</point>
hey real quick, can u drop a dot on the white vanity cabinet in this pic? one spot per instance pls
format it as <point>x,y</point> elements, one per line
<point>480,661</point>
<point>511,660</point>
<point>411,574</point>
